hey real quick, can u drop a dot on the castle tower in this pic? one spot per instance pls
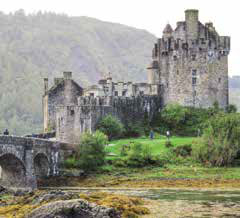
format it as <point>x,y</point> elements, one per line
<point>190,64</point>
<point>191,19</point>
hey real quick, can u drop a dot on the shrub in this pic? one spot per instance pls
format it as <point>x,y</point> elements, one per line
<point>168,144</point>
<point>183,121</point>
<point>111,127</point>
<point>134,130</point>
<point>91,152</point>
<point>70,162</point>
<point>183,150</point>
<point>231,108</point>
<point>220,143</point>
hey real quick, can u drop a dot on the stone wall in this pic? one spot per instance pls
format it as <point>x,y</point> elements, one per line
<point>190,64</point>
<point>23,159</point>
<point>65,92</point>
<point>72,121</point>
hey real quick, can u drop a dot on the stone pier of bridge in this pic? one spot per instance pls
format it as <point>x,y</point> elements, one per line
<point>23,160</point>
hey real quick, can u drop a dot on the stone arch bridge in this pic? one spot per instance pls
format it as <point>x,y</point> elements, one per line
<point>23,160</point>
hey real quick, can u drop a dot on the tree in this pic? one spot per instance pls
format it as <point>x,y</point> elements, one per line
<point>220,143</point>
<point>111,126</point>
<point>91,153</point>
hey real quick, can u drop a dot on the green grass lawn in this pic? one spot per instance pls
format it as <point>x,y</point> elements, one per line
<point>157,145</point>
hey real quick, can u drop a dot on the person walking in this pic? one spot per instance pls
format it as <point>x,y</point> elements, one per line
<point>168,134</point>
<point>151,134</point>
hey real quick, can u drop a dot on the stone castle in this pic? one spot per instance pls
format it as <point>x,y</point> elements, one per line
<point>190,64</point>
<point>189,67</point>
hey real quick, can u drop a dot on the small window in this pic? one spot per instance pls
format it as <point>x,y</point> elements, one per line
<point>174,57</point>
<point>141,93</point>
<point>72,112</point>
<point>219,80</point>
<point>116,93</point>
<point>194,81</point>
<point>195,93</point>
<point>194,72</point>
<point>193,57</point>
<point>92,94</point>
<point>124,93</point>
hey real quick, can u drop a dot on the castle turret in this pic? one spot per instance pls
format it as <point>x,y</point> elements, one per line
<point>67,75</point>
<point>167,32</point>
<point>191,18</point>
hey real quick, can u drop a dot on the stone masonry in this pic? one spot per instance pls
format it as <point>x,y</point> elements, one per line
<point>190,64</point>
<point>24,159</point>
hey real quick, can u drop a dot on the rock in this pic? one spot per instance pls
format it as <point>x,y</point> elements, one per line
<point>72,173</point>
<point>73,209</point>
<point>55,195</point>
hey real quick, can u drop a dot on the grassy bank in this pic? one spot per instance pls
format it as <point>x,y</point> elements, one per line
<point>157,145</point>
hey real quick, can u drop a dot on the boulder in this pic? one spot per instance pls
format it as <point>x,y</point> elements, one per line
<point>77,208</point>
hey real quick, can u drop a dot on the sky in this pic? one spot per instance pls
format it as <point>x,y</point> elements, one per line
<point>151,15</point>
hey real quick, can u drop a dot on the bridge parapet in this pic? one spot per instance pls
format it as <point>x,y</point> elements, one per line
<point>35,158</point>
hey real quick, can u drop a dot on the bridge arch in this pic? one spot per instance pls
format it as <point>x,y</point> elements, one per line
<point>13,171</point>
<point>41,165</point>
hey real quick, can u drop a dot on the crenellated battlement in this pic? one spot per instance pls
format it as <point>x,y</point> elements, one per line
<point>190,63</point>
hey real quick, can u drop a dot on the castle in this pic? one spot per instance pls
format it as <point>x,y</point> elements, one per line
<point>190,64</point>
<point>189,67</point>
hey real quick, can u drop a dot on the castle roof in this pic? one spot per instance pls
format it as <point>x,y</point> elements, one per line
<point>168,29</point>
<point>56,86</point>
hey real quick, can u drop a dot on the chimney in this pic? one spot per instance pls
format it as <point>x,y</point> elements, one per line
<point>191,18</point>
<point>45,85</point>
<point>67,75</point>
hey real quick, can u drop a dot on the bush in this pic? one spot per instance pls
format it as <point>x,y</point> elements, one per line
<point>220,143</point>
<point>134,130</point>
<point>91,153</point>
<point>183,150</point>
<point>111,127</point>
<point>70,162</point>
<point>231,108</point>
<point>183,121</point>
<point>168,144</point>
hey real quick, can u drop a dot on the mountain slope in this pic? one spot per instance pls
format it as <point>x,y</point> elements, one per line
<point>44,45</point>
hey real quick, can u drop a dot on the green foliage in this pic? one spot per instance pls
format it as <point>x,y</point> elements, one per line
<point>183,121</point>
<point>183,150</point>
<point>91,153</point>
<point>111,126</point>
<point>70,163</point>
<point>231,108</point>
<point>168,144</point>
<point>134,130</point>
<point>220,143</point>
<point>41,45</point>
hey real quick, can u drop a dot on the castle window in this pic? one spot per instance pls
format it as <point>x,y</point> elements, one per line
<point>116,93</point>
<point>194,81</point>
<point>174,57</point>
<point>194,73</point>
<point>92,94</point>
<point>72,112</point>
<point>219,80</point>
<point>193,57</point>
<point>124,93</point>
<point>194,77</point>
<point>202,41</point>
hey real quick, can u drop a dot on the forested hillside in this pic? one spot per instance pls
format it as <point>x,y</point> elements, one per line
<point>45,44</point>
